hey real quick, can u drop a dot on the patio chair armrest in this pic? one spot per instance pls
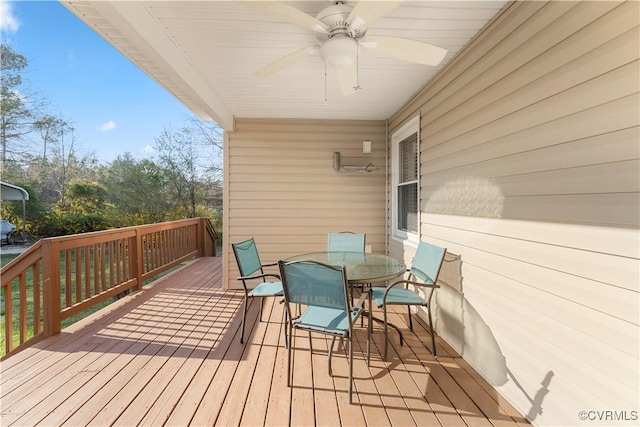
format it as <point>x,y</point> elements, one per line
<point>408,282</point>
<point>412,282</point>
<point>363,297</point>
<point>271,264</point>
<point>259,276</point>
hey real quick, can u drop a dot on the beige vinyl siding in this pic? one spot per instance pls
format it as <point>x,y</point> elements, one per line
<point>530,172</point>
<point>282,190</point>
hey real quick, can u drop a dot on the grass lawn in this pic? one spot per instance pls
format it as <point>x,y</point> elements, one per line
<point>5,258</point>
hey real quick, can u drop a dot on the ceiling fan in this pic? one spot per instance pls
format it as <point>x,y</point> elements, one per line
<point>340,30</point>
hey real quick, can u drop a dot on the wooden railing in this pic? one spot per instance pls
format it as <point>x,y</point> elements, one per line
<point>59,277</point>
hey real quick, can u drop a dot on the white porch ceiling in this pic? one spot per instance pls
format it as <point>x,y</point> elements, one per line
<point>205,54</point>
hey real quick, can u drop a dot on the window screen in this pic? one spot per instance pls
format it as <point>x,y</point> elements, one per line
<point>408,184</point>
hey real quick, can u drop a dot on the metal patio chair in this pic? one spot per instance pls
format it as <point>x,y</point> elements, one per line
<point>322,292</point>
<point>251,269</point>
<point>423,274</point>
<point>346,241</point>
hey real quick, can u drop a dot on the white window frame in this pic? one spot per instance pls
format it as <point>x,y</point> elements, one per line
<point>409,128</point>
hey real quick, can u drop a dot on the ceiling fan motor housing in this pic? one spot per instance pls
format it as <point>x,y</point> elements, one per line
<point>335,18</point>
<point>339,48</point>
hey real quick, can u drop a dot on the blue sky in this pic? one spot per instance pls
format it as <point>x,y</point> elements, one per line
<point>114,106</point>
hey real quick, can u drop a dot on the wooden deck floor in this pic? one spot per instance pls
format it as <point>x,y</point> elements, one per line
<point>170,355</point>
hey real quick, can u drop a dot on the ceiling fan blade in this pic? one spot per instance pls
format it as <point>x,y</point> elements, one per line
<point>348,80</point>
<point>286,61</point>
<point>288,13</point>
<point>367,12</point>
<point>405,49</point>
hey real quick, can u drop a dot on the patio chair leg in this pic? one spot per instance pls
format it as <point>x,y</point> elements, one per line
<point>410,318</point>
<point>261,304</point>
<point>333,341</point>
<point>350,369</point>
<point>369,331</point>
<point>289,373</point>
<point>361,318</point>
<point>244,316</point>
<point>386,339</point>
<point>286,325</point>
<point>433,338</point>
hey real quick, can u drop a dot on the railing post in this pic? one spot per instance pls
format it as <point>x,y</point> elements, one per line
<point>200,237</point>
<point>136,258</point>
<point>51,285</point>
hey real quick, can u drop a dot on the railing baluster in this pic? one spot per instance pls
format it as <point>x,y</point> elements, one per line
<point>37,283</point>
<point>22,292</point>
<point>128,248</point>
<point>73,255</point>
<point>161,248</point>
<point>157,238</point>
<point>118,257</point>
<point>112,264</point>
<point>103,277</point>
<point>96,269</point>
<point>67,277</point>
<point>147,253</point>
<point>87,271</point>
<point>8,317</point>
<point>154,251</point>
<point>167,247</point>
<point>78,274</point>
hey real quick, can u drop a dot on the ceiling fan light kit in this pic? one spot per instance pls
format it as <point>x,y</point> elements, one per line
<point>340,30</point>
<point>339,52</point>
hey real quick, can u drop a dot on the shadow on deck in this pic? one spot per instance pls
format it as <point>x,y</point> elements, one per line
<point>171,355</point>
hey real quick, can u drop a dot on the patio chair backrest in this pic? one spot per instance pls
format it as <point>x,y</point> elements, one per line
<point>346,241</point>
<point>247,257</point>
<point>314,284</point>
<point>427,261</point>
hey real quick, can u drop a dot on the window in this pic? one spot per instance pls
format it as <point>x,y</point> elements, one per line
<point>405,180</point>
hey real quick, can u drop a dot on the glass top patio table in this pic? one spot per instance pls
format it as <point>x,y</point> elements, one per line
<point>362,268</point>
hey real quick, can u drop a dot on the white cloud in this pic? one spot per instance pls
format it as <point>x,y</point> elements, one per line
<point>8,22</point>
<point>107,126</point>
<point>148,149</point>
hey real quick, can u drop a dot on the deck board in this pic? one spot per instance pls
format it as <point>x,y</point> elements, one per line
<point>171,355</point>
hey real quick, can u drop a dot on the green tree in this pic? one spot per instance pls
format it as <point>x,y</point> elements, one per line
<point>178,155</point>
<point>50,129</point>
<point>15,116</point>
<point>137,191</point>
<point>190,158</point>
<point>86,210</point>
<point>87,197</point>
<point>19,106</point>
<point>62,164</point>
